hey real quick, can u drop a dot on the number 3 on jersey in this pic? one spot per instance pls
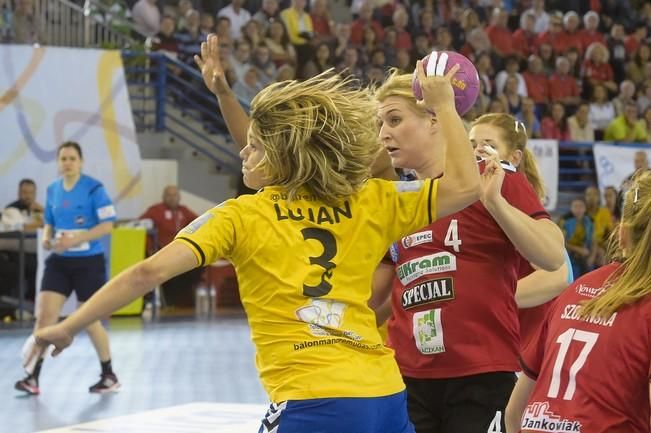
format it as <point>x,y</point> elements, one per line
<point>452,236</point>
<point>329,244</point>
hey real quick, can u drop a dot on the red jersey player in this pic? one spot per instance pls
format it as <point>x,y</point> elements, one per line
<point>591,366</point>
<point>454,326</point>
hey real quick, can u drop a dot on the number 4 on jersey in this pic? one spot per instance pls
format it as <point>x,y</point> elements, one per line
<point>452,236</point>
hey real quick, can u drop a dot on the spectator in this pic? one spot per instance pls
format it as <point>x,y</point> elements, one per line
<point>400,20</point>
<point>364,20</point>
<point>321,62</point>
<point>647,118</point>
<point>602,111</point>
<point>478,42</point>
<point>223,30</point>
<point>529,118</point>
<point>190,39</point>
<point>262,61</point>
<point>282,51</point>
<point>548,57</point>
<point>511,67</point>
<point>182,9</point>
<point>207,23</point>
<point>300,29</point>
<point>485,72</point>
<point>378,59</point>
<point>403,61</point>
<point>510,98</point>
<point>554,36</point>
<point>542,17</point>
<point>6,22</point>
<point>578,231</point>
<point>342,41</point>
<point>628,127</point>
<point>537,82</point>
<point>340,10</point>
<point>571,36</point>
<point>640,162</point>
<point>596,69</point>
<point>626,95</point>
<point>427,25</point>
<point>286,72</point>
<point>497,106</point>
<point>555,126</point>
<point>572,56</point>
<point>421,8</point>
<point>618,55</point>
<point>30,210</point>
<point>613,204</point>
<point>321,21</point>
<point>602,226</point>
<point>166,40</point>
<point>252,33</point>
<point>369,42</point>
<point>563,86</point>
<point>168,217</point>
<point>579,124</point>
<point>635,68</point>
<point>525,37</point>
<point>591,34</point>
<point>267,14</point>
<point>616,11</point>
<point>26,27</point>
<point>350,63</point>
<point>444,38</point>
<point>146,17</point>
<point>240,61</point>
<point>249,85</point>
<point>633,41</point>
<point>237,15</point>
<point>422,45</point>
<point>499,34</point>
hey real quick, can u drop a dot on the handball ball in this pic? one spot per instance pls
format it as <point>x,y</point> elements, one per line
<point>465,82</point>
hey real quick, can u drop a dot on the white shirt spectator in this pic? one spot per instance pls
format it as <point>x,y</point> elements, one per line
<point>601,115</point>
<point>146,16</point>
<point>542,20</point>
<point>500,81</point>
<point>238,19</point>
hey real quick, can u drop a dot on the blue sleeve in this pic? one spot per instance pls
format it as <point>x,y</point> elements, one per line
<point>48,215</point>
<point>570,271</point>
<point>103,205</point>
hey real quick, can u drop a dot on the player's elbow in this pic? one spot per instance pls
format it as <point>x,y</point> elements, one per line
<point>553,254</point>
<point>147,276</point>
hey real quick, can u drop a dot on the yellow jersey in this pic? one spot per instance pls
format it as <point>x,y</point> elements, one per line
<point>304,271</point>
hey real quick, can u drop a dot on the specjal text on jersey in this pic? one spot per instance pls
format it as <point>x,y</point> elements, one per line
<point>320,215</point>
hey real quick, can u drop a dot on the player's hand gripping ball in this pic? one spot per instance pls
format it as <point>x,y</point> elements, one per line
<point>465,82</point>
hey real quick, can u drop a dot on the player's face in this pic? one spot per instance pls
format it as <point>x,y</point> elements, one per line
<point>408,137</point>
<point>483,136</point>
<point>69,162</point>
<point>251,156</point>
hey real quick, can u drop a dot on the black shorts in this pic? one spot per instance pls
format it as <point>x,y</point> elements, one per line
<point>470,404</point>
<point>83,275</point>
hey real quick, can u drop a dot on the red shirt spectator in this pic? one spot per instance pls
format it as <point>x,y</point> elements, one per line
<point>590,36</point>
<point>169,216</point>
<point>365,18</point>
<point>597,71</point>
<point>499,33</point>
<point>524,38</point>
<point>555,126</point>
<point>562,86</point>
<point>536,80</point>
<point>571,34</point>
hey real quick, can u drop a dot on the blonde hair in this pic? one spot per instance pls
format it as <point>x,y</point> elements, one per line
<point>320,134</point>
<point>398,84</point>
<point>632,281</point>
<point>515,136</point>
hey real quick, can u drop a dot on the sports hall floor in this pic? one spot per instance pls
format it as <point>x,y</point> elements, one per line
<point>180,374</point>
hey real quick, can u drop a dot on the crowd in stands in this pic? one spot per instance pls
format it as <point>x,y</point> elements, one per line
<point>570,70</point>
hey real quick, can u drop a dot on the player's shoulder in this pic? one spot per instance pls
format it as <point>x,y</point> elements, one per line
<point>90,183</point>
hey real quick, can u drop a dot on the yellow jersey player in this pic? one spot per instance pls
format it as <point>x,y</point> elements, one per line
<point>305,248</point>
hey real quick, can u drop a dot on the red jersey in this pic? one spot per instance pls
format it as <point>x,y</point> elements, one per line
<point>168,221</point>
<point>562,86</point>
<point>592,375</point>
<point>524,42</point>
<point>501,38</point>
<point>454,311</point>
<point>537,87</point>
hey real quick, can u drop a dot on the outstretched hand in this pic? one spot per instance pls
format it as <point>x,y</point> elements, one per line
<point>491,179</point>
<point>51,335</point>
<point>435,85</point>
<point>211,67</point>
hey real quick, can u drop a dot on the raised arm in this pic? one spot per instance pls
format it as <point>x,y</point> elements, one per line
<point>539,241</point>
<point>518,403</point>
<point>237,121</point>
<point>380,301</point>
<point>459,186</point>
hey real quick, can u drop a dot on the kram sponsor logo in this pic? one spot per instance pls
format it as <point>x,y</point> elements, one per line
<point>538,417</point>
<point>417,239</point>
<point>426,265</point>
<point>430,291</point>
